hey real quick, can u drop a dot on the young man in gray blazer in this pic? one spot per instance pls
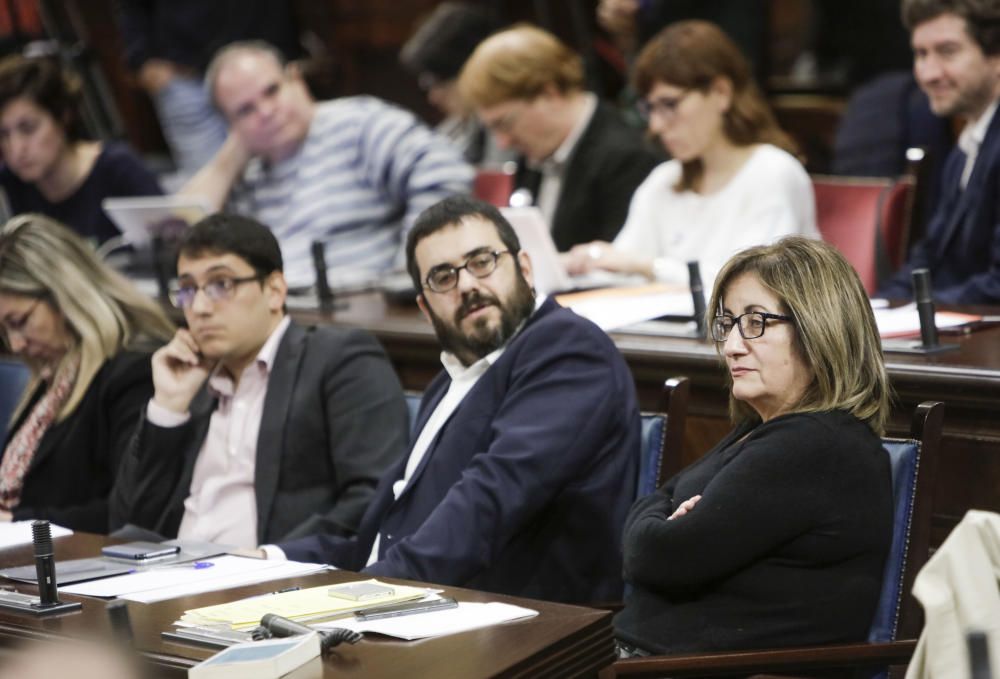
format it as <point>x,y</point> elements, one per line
<point>259,429</point>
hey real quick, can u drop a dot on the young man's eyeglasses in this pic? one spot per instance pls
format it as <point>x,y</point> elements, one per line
<point>665,107</point>
<point>751,324</point>
<point>18,324</point>
<point>445,277</point>
<point>217,289</point>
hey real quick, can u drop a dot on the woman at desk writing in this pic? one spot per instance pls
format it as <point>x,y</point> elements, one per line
<point>779,534</point>
<point>82,329</point>
<point>733,181</point>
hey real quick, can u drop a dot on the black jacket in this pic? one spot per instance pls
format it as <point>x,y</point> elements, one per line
<point>609,162</point>
<point>76,464</point>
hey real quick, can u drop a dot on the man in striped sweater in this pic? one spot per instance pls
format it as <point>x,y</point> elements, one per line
<point>352,172</point>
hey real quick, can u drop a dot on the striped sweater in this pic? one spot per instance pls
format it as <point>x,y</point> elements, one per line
<point>363,174</point>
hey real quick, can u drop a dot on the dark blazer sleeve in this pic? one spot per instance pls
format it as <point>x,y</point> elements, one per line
<point>775,488</point>
<point>155,463</point>
<point>552,428</point>
<point>367,425</point>
<point>120,394</point>
<point>900,285</point>
<point>609,163</point>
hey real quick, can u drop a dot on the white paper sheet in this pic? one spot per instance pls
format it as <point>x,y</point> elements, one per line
<point>168,582</point>
<point>19,533</point>
<point>904,321</point>
<point>617,307</point>
<point>467,616</point>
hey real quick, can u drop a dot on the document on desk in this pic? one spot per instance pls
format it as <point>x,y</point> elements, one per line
<point>904,321</point>
<point>158,583</point>
<point>468,616</point>
<point>311,603</point>
<point>612,308</point>
<point>18,533</point>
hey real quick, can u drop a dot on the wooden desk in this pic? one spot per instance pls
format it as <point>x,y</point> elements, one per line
<point>562,641</point>
<point>967,380</point>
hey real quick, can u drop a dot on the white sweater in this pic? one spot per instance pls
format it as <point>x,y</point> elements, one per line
<point>769,197</point>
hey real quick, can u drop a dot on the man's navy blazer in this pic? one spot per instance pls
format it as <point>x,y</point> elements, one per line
<point>525,489</point>
<point>962,246</point>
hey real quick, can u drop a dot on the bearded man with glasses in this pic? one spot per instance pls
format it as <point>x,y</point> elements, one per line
<point>526,446</point>
<point>259,429</point>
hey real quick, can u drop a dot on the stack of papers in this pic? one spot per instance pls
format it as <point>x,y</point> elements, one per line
<point>904,321</point>
<point>467,616</point>
<point>19,533</point>
<point>305,604</point>
<point>612,308</point>
<point>158,583</point>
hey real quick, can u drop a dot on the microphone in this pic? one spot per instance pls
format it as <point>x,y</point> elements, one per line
<point>925,308</point>
<point>323,291</point>
<point>698,297</point>
<point>161,268</point>
<point>979,655</point>
<point>45,563</point>
<point>273,625</point>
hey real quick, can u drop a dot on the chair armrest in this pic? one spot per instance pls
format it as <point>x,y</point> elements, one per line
<point>778,660</point>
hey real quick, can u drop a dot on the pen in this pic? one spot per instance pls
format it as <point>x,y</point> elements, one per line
<point>194,565</point>
<point>293,588</point>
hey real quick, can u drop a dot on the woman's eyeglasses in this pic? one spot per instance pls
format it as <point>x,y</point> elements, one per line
<point>751,325</point>
<point>665,107</point>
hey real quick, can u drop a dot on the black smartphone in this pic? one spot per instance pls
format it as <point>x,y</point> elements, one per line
<point>409,608</point>
<point>140,551</point>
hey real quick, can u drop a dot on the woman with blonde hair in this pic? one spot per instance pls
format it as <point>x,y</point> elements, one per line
<point>734,180</point>
<point>778,535</point>
<point>86,334</point>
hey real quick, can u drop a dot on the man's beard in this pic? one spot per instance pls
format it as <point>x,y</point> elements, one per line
<point>483,340</point>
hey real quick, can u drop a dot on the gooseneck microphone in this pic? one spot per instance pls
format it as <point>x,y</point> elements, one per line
<point>323,291</point>
<point>47,602</point>
<point>272,625</point>
<point>697,297</point>
<point>925,307</point>
<point>45,563</point>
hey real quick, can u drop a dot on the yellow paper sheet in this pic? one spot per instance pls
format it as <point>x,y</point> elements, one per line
<point>304,603</point>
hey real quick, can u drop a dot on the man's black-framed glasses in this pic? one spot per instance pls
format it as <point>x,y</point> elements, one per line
<point>445,277</point>
<point>751,325</point>
<point>216,289</point>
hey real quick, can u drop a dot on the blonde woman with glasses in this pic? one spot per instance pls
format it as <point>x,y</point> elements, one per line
<point>778,535</point>
<point>86,334</point>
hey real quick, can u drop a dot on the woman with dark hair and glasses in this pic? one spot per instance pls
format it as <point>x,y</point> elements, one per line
<point>85,333</point>
<point>778,535</point>
<point>733,181</point>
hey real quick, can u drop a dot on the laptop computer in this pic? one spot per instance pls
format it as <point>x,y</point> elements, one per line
<point>549,273</point>
<point>141,218</point>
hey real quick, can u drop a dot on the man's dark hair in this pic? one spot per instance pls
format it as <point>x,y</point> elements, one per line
<point>450,212</point>
<point>221,234</point>
<point>982,18</point>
